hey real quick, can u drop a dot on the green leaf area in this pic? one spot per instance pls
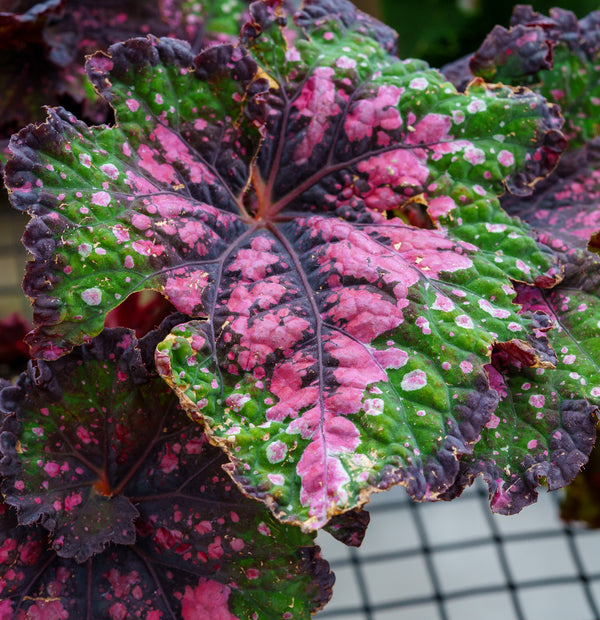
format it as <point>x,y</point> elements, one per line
<point>98,451</point>
<point>337,349</point>
<point>545,425</point>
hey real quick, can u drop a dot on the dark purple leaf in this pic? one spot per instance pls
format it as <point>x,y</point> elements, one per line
<point>26,74</point>
<point>564,210</point>
<point>99,452</point>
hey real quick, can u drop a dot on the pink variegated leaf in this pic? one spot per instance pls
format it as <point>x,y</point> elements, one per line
<point>335,350</point>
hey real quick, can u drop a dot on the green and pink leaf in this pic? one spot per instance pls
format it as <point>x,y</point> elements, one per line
<point>252,191</point>
<point>545,425</point>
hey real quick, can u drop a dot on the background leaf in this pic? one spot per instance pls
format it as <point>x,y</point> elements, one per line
<point>131,456</point>
<point>556,56</point>
<point>564,209</point>
<point>442,31</point>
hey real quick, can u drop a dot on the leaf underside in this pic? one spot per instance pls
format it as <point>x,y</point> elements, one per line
<point>131,469</point>
<point>336,349</point>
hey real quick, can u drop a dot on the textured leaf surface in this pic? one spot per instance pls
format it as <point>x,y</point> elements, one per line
<point>347,348</point>
<point>545,425</point>
<point>101,453</point>
<point>151,580</point>
<point>557,56</point>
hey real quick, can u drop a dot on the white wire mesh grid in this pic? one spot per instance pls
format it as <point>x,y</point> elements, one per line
<point>458,561</point>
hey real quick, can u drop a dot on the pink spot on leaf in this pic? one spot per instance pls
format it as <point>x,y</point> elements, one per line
<point>206,601</point>
<point>414,380</point>
<point>101,199</point>
<point>132,104</point>
<point>537,400</point>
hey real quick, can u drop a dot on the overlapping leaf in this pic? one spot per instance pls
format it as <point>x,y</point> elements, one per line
<point>565,208</point>
<point>98,450</point>
<point>43,47</point>
<point>557,56</point>
<point>206,22</point>
<point>545,425</point>
<point>340,351</point>
<point>155,577</point>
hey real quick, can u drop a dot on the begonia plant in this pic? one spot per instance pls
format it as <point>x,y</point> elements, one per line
<point>372,273</point>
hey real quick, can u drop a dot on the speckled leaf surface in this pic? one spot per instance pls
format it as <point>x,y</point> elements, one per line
<point>251,191</point>
<point>556,55</point>
<point>545,425</point>
<point>153,578</point>
<point>128,467</point>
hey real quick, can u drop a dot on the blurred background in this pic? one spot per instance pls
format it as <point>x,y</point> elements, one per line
<point>441,31</point>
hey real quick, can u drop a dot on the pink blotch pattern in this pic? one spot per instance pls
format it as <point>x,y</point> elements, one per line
<point>396,168</point>
<point>149,160</point>
<point>184,289</point>
<point>317,101</point>
<point>366,115</point>
<point>175,150</point>
<point>206,601</point>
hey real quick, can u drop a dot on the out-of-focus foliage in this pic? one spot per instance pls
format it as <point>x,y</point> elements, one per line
<point>443,30</point>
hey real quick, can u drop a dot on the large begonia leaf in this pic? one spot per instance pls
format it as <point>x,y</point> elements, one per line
<point>545,425</point>
<point>98,451</point>
<point>557,56</point>
<point>252,191</point>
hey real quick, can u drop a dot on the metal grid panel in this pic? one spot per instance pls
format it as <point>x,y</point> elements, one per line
<point>458,561</point>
